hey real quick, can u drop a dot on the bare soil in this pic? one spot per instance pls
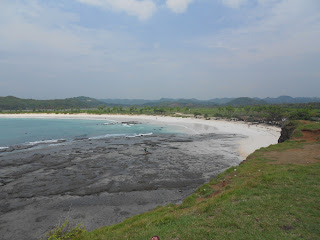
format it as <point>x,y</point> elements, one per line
<point>310,135</point>
<point>309,154</point>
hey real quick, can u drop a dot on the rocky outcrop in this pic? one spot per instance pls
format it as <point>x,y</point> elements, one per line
<point>287,130</point>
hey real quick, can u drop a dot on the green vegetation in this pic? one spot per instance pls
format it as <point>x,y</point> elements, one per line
<point>65,232</point>
<point>244,109</point>
<point>260,113</point>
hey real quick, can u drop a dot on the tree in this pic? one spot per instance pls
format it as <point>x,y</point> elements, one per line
<point>100,108</point>
<point>275,113</point>
<point>230,109</point>
<point>300,114</point>
<point>159,110</point>
<point>196,114</point>
<point>247,109</point>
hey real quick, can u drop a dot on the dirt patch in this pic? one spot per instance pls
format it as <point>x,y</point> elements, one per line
<point>310,135</point>
<point>310,153</point>
<point>286,228</point>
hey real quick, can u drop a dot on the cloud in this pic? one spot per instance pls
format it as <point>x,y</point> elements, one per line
<point>142,9</point>
<point>31,39</point>
<point>234,3</point>
<point>289,28</point>
<point>178,6</point>
<point>46,51</point>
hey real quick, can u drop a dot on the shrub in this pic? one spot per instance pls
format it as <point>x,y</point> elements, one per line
<point>65,232</point>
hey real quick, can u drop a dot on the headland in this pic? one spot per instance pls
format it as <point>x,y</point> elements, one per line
<point>103,181</point>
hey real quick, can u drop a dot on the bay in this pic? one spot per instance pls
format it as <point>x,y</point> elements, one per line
<point>15,131</point>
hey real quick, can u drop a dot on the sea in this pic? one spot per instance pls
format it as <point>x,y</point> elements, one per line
<point>41,131</point>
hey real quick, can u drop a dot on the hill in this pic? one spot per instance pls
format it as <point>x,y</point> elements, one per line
<point>125,102</point>
<point>14,103</point>
<point>245,101</point>
<point>288,100</point>
<point>165,102</point>
<point>274,194</point>
<point>182,102</point>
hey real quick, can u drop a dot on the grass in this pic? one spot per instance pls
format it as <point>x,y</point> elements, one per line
<point>259,201</point>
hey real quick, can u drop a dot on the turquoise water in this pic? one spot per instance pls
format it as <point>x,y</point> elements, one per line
<point>32,131</point>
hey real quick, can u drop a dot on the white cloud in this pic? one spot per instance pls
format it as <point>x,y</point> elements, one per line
<point>142,9</point>
<point>178,6</point>
<point>30,38</point>
<point>234,3</point>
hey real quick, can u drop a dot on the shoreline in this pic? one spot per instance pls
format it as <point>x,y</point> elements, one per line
<point>257,135</point>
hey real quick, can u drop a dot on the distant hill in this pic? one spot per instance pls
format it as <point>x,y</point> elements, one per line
<point>245,101</point>
<point>168,102</point>
<point>288,100</point>
<point>182,102</point>
<point>221,100</point>
<point>14,103</point>
<point>125,102</point>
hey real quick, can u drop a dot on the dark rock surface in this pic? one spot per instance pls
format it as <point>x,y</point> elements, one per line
<point>286,131</point>
<point>102,182</point>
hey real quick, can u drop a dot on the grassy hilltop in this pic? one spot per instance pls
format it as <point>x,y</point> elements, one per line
<point>274,194</point>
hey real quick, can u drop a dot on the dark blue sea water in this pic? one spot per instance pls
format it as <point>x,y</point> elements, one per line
<point>15,131</point>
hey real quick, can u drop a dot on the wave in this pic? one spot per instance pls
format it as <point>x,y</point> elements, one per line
<point>111,123</point>
<point>50,142</point>
<point>107,136</point>
<point>46,142</point>
<point>121,135</point>
<point>32,145</point>
<point>139,135</point>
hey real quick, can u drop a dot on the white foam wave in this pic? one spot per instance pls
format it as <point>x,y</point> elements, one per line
<point>140,135</point>
<point>45,141</point>
<point>145,134</point>
<point>2,148</point>
<point>110,123</point>
<point>107,136</point>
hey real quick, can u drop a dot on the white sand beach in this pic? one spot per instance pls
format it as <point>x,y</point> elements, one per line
<point>257,135</point>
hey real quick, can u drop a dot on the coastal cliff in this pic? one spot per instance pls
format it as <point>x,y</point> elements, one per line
<point>287,130</point>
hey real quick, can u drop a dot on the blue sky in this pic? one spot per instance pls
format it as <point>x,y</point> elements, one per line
<point>159,48</point>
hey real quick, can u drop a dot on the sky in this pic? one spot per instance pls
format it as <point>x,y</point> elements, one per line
<point>151,49</point>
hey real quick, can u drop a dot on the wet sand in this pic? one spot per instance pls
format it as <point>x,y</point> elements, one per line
<point>102,182</point>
